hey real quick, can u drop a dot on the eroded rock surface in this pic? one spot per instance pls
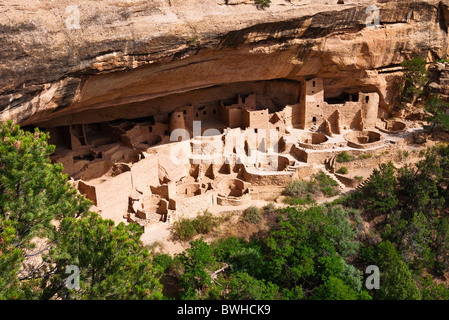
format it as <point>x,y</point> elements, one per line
<point>138,58</point>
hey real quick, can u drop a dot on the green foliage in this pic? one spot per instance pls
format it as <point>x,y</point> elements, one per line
<point>204,223</point>
<point>163,260</point>
<point>249,259</point>
<point>300,189</point>
<point>34,194</point>
<point>418,186</point>
<point>263,3</point>
<point>342,170</point>
<point>379,193</point>
<point>302,238</point>
<point>303,192</point>
<point>11,259</point>
<point>193,42</point>
<point>225,248</point>
<point>33,191</point>
<point>242,286</point>
<point>344,157</point>
<point>184,229</point>
<point>335,289</point>
<point>396,279</point>
<point>112,261</point>
<point>327,185</point>
<point>437,109</point>
<point>196,262</point>
<point>252,215</point>
<point>433,291</point>
<point>415,77</point>
<point>36,200</point>
<point>413,238</point>
<point>365,156</point>
<point>342,231</point>
<point>270,212</point>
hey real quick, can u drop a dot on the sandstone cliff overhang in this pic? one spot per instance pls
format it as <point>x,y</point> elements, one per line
<point>127,54</point>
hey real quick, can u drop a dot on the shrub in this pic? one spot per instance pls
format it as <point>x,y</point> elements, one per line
<point>327,185</point>
<point>163,260</point>
<point>263,3</point>
<point>252,215</point>
<point>437,108</point>
<point>270,211</point>
<point>380,192</point>
<point>204,222</point>
<point>184,229</point>
<point>415,77</point>
<point>342,170</point>
<point>302,192</point>
<point>365,156</point>
<point>300,188</point>
<point>344,157</point>
<point>192,42</point>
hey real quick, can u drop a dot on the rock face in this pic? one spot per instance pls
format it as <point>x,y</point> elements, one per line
<point>71,62</point>
<point>439,79</point>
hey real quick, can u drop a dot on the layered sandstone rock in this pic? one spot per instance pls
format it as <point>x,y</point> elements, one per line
<point>132,58</point>
<point>439,79</point>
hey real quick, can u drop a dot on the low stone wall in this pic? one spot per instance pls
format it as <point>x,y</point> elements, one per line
<point>391,126</point>
<point>323,146</point>
<point>391,153</point>
<point>314,141</point>
<point>264,178</point>
<point>267,193</point>
<point>313,157</point>
<point>233,201</point>
<point>192,205</point>
<point>348,181</point>
<point>303,172</point>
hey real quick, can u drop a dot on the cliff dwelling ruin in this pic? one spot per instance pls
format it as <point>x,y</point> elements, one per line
<point>153,168</point>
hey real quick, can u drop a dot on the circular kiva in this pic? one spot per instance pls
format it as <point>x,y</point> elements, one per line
<point>314,141</point>
<point>364,139</point>
<point>232,191</point>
